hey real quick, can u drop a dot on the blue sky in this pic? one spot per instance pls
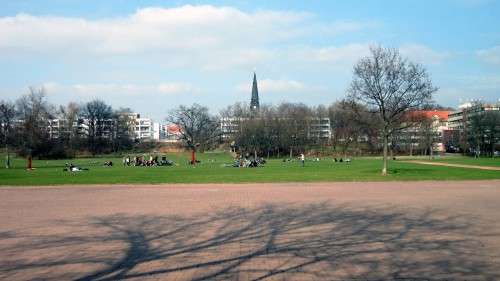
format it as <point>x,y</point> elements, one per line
<point>154,55</point>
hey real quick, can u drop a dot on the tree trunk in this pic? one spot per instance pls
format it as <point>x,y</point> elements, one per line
<point>7,156</point>
<point>30,162</point>
<point>492,148</point>
<point>255,154</point>
<point>193,157</point>
<point>291,152</point>
<point>386,141</point>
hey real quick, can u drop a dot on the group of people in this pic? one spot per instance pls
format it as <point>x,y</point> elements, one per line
<point>141,161</point>
<point>347,160</point>
<point>247,162</point>
<point>302,159</point>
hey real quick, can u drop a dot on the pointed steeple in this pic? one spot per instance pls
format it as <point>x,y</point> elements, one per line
<point>254,103</point>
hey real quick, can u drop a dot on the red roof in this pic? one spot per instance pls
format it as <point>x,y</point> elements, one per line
<point>440,114</point>
<point>173,129</point>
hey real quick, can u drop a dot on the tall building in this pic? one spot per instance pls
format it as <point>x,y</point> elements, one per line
<point>254,103</point>
<point>143,128</point>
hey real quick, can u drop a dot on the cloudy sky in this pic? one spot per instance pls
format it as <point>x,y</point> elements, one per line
<point>154,55</point>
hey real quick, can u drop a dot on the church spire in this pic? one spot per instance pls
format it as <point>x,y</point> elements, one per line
<point>254,103</point>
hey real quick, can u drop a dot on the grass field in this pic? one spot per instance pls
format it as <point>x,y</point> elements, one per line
<point>212,170</point>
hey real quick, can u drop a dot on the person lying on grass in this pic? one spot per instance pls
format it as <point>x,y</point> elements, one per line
<point>73,168</point>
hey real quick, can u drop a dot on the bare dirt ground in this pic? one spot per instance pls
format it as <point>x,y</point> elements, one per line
<point>491,168</point>
<point>314,231</point>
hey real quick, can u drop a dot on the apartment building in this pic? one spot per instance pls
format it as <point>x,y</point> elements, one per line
<point>413,137</point>
<point>143,129</point>
<point>460,118</point>
<point>317,128</point>
<point>320,128</point>
<point>61,127</point>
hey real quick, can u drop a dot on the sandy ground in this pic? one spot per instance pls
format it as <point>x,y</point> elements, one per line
<point>314,231</point>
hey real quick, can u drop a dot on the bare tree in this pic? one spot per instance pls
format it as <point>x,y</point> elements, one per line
<point>34,112</point>
<point>123,129</point>
<point>7,115</point>
<point>69,117</point>
<point>295,119</point>
<point>390,86</point>
<point>428,135</point>
<point>197,127</point>
<point>346,126</point>
<point>98,115</point>
<point>484,131</point>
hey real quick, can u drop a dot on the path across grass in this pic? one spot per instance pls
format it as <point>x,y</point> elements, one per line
<point>493,162</point>
<point>481,167</point>
<point>212,170</point>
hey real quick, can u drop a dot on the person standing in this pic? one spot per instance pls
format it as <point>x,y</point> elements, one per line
<point>303,159</point>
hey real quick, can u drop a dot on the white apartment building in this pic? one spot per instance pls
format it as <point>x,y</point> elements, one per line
<point>320,128</point>
<point>143,129</point>
<point>159,132</point>
<point>58,127</point>
<point>317,128</point>
<point>459,118</point>
<point>229,126</point>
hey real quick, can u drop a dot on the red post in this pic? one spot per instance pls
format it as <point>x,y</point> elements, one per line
<point>193,158</point>
<point>30,163</point>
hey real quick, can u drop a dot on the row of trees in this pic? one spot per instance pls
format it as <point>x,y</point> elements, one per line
<point>376,115</point>
<point>384,89</point>
<point>291,128</point>
<point>94,127</point>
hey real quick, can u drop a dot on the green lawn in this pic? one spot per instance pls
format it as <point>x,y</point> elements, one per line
<point>212,170</point>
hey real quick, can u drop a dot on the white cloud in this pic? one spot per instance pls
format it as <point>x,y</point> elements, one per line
<point>341,27</point>
<point>206,36</point>
<point>423,54</point>
<point>116,90</point>
<point>174,88</point>
<point>347,54</point>
<point>281,86</point>
<point>275,86</point>
<point>491,55</point>
<point>478,87</point>
<point>149,29</point>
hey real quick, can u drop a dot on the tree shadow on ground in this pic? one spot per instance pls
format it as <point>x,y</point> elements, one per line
<point>315,242</point>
